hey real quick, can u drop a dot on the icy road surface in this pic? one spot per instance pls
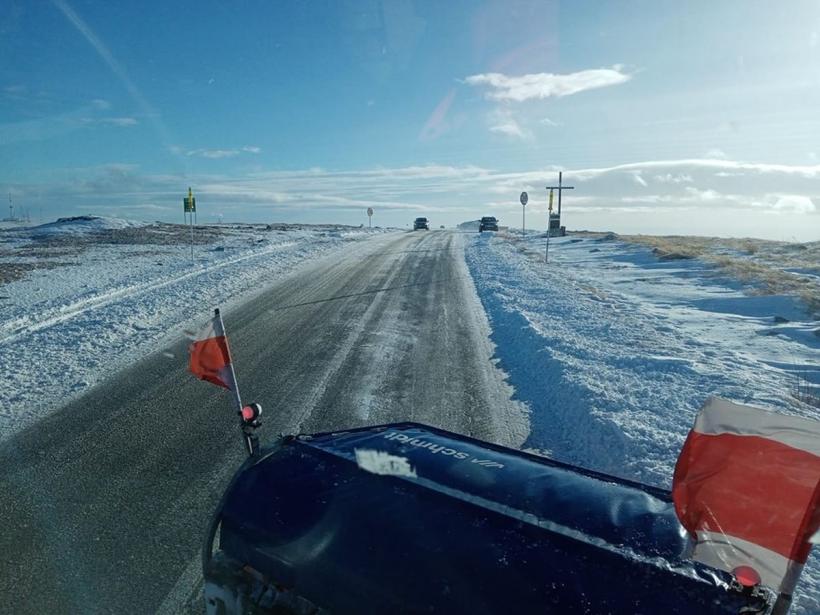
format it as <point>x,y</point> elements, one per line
<point>106,500</point>
<point>613,351</point>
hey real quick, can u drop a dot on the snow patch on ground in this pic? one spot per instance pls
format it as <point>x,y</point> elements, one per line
<point>614,350</point>
<point>114,289</point>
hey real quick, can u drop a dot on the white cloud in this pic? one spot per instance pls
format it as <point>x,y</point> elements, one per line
<point>794,202</point>
<point>548,122</point>
<point>100,103</point>
<point>252,149</point>
<point>706,196</point>
<point>540,86</point>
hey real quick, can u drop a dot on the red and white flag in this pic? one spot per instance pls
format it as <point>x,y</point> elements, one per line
<point>747,488</point>
<point>210,356</point>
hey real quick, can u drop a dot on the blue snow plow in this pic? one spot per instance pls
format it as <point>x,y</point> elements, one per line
<point>406,518</point>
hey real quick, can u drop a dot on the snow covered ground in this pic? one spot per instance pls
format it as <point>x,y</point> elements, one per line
<point>81,298</point>
<point>614,348</point>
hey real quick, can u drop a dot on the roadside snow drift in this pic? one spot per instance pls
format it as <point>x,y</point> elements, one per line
<point>614,349</point>
<point>83,297</point>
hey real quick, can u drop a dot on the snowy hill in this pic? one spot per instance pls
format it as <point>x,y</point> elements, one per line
<point>614,347</point>
<point>81,225</point>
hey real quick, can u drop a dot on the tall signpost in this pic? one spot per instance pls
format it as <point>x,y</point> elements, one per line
<point>369,217</point>
<point>555,221</point>
<point>523,198</point>
<point>189,210</point>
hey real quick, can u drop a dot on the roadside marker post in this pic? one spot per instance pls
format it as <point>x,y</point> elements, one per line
<point>523,198</point>
<point>549,217</point>
<point>189,210</point>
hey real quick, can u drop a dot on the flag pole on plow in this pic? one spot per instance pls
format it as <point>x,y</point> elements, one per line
<point>747,489</point>
<point>210,360</point>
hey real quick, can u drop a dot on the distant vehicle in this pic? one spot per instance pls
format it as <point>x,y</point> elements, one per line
<point>421,223</point>
<point>442,226</point>
<point>488,223</point>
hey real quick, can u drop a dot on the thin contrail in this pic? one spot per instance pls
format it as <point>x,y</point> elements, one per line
<point>119,70</point>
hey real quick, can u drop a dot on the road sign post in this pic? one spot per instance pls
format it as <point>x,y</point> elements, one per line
<point>523,198</point>
<point>369,217</point>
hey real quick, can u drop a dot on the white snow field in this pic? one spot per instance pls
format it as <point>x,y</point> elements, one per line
<point>83,297</point>
<point>614,348</point>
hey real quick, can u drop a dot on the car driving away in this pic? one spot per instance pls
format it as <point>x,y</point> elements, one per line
<point>488,223</point>
<point>421,223</point>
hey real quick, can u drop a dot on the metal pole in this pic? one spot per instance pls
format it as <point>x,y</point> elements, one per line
<point>523,220</point>
<point>782,604</point>
<point>547,253</point>
<point>251,441</point>
<point>560,173</point>
<point>192,237</point>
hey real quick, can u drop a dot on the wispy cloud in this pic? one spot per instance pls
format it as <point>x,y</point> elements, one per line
<point>716,153</point>
<point>111,121</point>
<point>437,124</point>
<point>538,86</point>
<point>120,121</point>
<point>213,153</point>
<point>674,178</point>
<point>638,179</point>
<point>216,154</point>
<point>503,122</point>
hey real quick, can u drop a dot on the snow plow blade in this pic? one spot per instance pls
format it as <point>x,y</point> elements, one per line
<point>406,518</point>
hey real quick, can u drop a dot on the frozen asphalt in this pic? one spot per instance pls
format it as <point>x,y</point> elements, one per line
<point>105,502</point>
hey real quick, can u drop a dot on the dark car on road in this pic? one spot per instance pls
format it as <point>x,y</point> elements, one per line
<point>487,223</point>
<point>419,223</point>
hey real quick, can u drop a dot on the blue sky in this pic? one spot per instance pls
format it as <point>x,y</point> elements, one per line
<point>667,117</point>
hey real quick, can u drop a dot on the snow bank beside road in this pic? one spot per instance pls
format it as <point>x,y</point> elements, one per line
<point>96,294</point>
<point>614,350</point>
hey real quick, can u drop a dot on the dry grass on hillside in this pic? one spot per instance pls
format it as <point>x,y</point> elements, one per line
<point>762,265</point>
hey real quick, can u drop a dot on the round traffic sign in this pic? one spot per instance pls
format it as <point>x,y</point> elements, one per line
<point>369,211</point>
<point>524,198</point>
